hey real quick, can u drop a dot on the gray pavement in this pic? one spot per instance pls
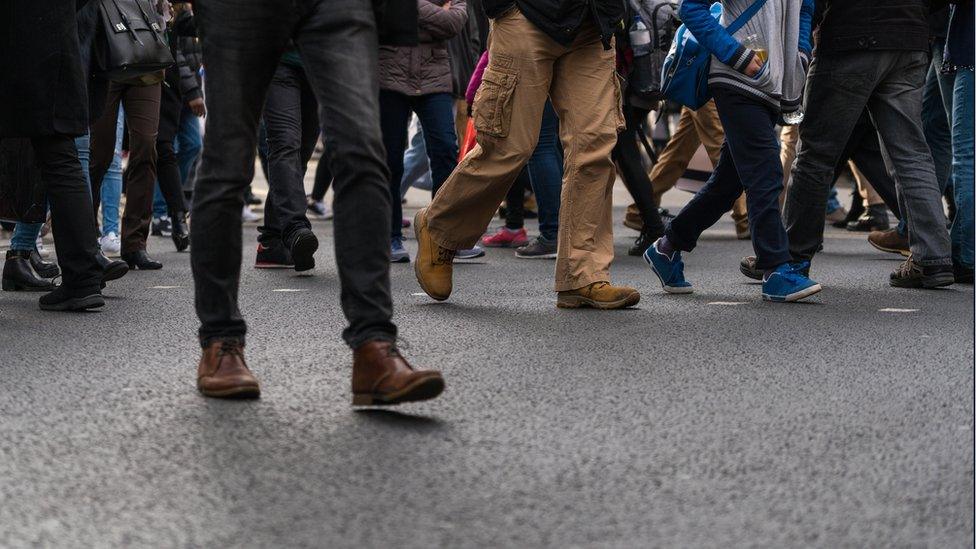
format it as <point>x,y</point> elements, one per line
<point>690,421</point>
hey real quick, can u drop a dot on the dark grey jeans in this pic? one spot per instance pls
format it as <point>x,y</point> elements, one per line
<point>839,87</point>
<point>242,43</point>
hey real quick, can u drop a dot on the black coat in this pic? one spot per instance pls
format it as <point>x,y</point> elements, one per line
<point>42,85</point>
<point>848,25</point>
<point>562,19</point>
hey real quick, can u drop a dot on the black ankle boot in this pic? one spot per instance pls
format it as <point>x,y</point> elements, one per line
<point>112,269</point>
<point>19,276</point>
<point>44,269</point>
<point>141,260</point>
<point>181,233</point>
<point>854,212</point>
<point>874,219</point>
<point>644,240</point>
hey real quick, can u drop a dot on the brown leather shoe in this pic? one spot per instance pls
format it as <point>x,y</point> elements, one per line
<point>890,241</point>
<point>434,265</point>
<point>381,376</point>
<point>599,295</point>
<point>223,373</point>
<point>633,219</point>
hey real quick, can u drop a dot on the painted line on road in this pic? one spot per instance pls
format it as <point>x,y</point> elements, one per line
<point>419,294</point>
<point>164,287</point>
<point>896,310</point>
<point>289,290</point>
<point>727,303</point>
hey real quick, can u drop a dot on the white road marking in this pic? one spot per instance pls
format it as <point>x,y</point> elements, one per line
<point>896,310</point>
<point>164,287</point>
<point>419,294</point>
<point>289,290</point>
<point>727,303</point>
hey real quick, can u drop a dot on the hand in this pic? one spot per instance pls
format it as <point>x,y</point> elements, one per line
<point>755,65</point>
<point>447,5</point>
<point>197,106</point>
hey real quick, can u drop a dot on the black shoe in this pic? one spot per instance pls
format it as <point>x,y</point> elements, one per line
<point>854,212</point>
<point>874,219</point>
<point>181,234</point>
<point>540,248</point>
<point>112,269</point>
<point>273,257</point>
<point>19,275</point>
<point>161,226</point>
<point>963,274</point>
<point>251,200</point>
<point>748,268</point>
<point>141,260</point>
<point>303,246</point>
<point>912,275</point>
<point>644,241</point>
<point>666,216</point>
<point>63,299</point>
<point>44,269</point>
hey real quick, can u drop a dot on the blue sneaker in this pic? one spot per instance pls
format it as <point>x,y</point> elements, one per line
<point>789,282</point>
<point>398,254</point>
<point>669,270</point>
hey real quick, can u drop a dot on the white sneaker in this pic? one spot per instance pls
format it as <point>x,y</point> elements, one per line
<point>249,216</point>
<point>111,245</point>
<point>44,252</point>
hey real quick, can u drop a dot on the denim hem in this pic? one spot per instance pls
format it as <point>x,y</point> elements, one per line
<point>364,339</point>
<point>932,262</point>
<point>207,341</point>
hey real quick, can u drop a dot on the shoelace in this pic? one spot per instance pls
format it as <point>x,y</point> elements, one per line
<point>907,268</point>
<point>228,348</point>
<point>444,256</point>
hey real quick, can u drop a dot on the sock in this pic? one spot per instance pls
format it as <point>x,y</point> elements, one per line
<point>664,246</point>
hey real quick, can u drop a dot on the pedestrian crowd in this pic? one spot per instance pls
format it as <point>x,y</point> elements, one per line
<point>527,109</point>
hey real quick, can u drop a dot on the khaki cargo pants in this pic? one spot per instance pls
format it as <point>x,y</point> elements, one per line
<point>525,67</point>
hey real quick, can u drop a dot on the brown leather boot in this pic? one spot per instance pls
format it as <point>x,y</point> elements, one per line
<point>434,265</point>
<point>223,373</point>
<point>381,376</point>
<point>599,295</point>
<point>890,241</point>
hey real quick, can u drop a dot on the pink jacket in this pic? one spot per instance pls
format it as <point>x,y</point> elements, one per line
<point>475,82</point>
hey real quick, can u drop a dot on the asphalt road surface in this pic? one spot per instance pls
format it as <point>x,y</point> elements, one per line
<point>709,420</point>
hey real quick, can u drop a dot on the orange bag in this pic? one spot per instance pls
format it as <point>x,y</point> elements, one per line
<point>469,139</point>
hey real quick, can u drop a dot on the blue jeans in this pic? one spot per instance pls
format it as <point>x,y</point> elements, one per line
<point>436,114</point>
<point>749,160</point>
<point>25,236</point>
<point>111,192</point>
<point>962,167</point>
<point>189,141</point>
<point>546,173</point>
<point>416,167</point>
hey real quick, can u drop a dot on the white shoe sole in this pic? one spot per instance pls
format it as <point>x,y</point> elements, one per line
<point>667,289</point>
<point>796,296</point>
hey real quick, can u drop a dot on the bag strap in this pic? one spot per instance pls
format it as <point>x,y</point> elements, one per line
<point>745,16</point>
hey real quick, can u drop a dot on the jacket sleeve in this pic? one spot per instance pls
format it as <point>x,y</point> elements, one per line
<point>189,87</point>
<point>476,76</point>
<point>440,23</point>
<point>806,27</point>
<point>712,36</point>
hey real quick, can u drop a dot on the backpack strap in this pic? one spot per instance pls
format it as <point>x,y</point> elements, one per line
<point>745,16</point>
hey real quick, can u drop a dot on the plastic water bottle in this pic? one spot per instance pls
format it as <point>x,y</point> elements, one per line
<point>640,42</point>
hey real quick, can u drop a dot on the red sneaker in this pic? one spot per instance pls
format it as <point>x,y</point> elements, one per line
<point>506,238</point>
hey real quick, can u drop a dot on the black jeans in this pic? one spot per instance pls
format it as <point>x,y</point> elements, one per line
<point>242,43</point>
<point>291,119</point>
<point>75,236</point>
<point>839,88</point>
<point>749,160</point>
<point>631,167</point>
<point>167,165</point>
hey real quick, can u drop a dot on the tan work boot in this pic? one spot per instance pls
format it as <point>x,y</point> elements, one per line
<point>434,265</point>
<point>890,241</point>
<point>222,372</point>
<point>599,295</point>
<point>380,375</point>
<point>633,219</point>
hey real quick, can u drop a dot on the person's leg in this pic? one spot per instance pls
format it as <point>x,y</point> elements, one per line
<point>283,118</point>
<point>141,106</point>
<point>394,120</point>
<point>962,168</point>
<point>935,118</point>
<point>586,95</point>
<point>679,151</point>
<point>416,166</point>
<point>515,202</point>
<point>189,142</point>
<point>338,46</point>
<point>242,42</point>
<point>436,114</point>
<point>546,173</point>
<point>708,127</point>
<point>75,236</point>
<point>323,178</point>
<point>787,154</point>
<point>111,193</point>
<point>628,159</point>
<point>169,185</point>
<point>836,93</point>
<point>895,109</point>
<point>101,145</point>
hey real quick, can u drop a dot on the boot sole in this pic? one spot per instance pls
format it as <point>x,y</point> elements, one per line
<point>272,266</point>
<point>929,282</point>
<point>749,273</point>
<point>416,263</point>
<point>240,393</point>
<point>302,252</point>
<point>579,302</point>
<point>903,253</point>
<point>543,256</point>
<point>802,294</point>
<point>421,389</point>
<point>85,303</point>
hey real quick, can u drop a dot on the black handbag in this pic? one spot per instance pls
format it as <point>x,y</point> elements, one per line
<point>132,43</point>
<point>22,195</point>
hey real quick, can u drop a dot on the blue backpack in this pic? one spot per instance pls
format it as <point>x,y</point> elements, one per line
<point>684,76</point>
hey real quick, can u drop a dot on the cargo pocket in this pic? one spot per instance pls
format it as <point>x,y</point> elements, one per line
<point>493,102</point>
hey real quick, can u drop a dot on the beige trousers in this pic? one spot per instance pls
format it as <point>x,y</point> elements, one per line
<point>525,67</point>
